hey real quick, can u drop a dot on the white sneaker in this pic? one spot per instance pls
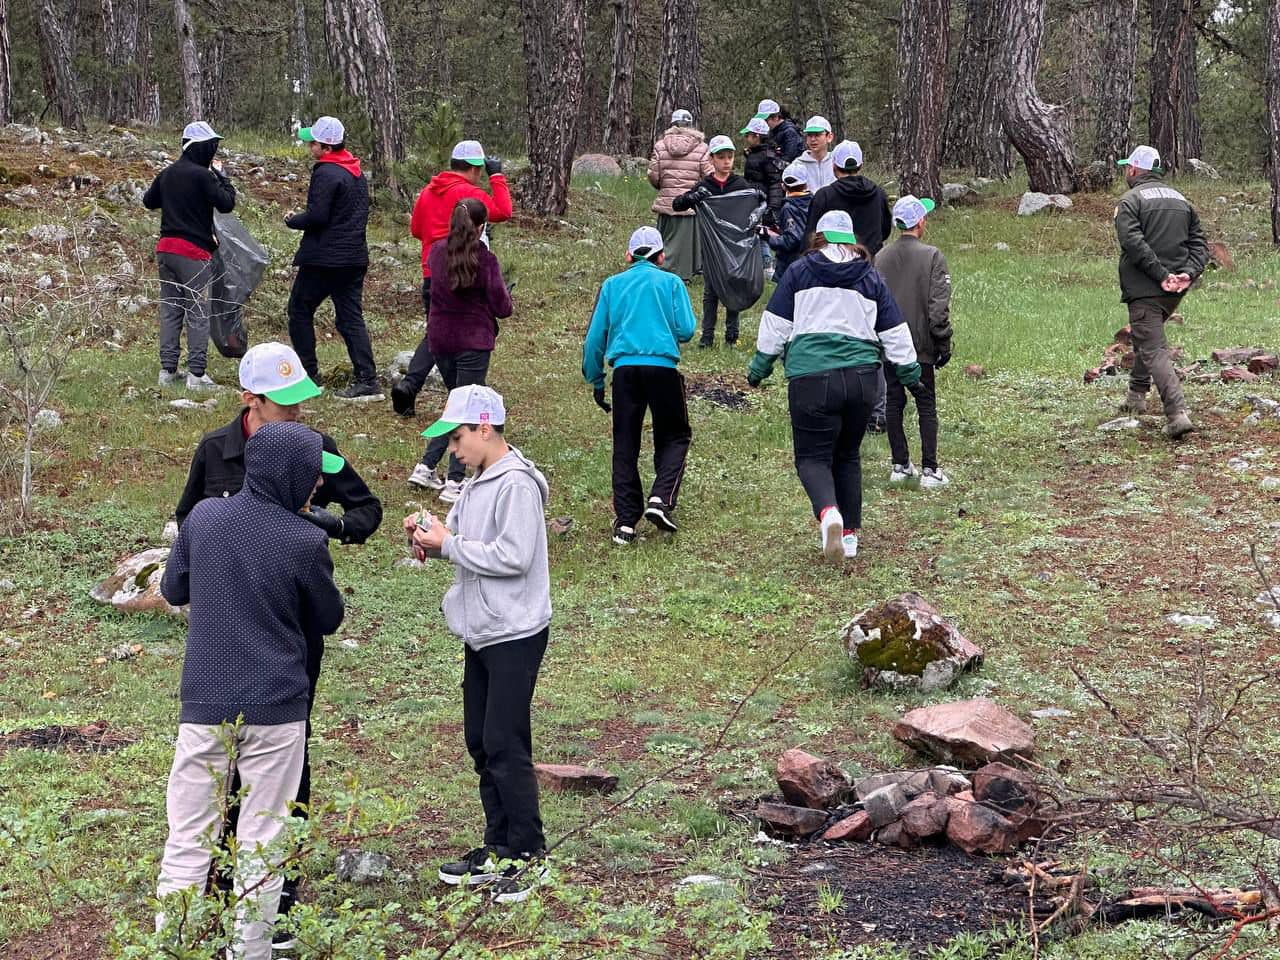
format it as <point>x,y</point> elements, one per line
<point>850,543</point>
<point>933,477</point>
<point>832,531</point>
<point>201,383</point>
<point>173,379</point>
<point>451,491</point>
<point>426,478</point>
<point>902,473</point>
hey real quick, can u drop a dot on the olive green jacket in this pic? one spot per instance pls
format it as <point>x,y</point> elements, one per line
<point>1159,234</point>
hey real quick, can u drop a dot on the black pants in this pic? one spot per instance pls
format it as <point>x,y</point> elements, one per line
<point>709,307</point>
<point>660,390</point>
<point>926,412</point>
<point>829,414</point>
<point>345,287</point>
<point>497,689</point>
<point>423,361</point>
<point>457,370</point>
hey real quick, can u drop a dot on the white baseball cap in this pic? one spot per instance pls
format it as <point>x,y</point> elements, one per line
<point>473,404</point>
<point>198,132</point>
<point>756,125</point>
<point>818,124</point>
<point>910,210</point>
<point>719,145</point>
<point>794,175</point>
<point>326,130</point>
<point>470,151</point>
<point>1143,158</point>
<point>836,226</point>
<point>681,116</point>
<point>767,108</point>
<point>273,370</point>
<point>845,153</point>
<point>644,243</point>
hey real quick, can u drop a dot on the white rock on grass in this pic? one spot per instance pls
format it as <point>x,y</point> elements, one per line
<point>1192,621</point>
<point>49,233</point>
<point>1270,483</point>
<point>48,419</point>
<point>1120,423</point>
<point>1033,202</point>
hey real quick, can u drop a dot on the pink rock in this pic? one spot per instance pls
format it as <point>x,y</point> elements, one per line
<point>975,371</point>
<point>1237,375</point>
<point>966,732</point>
<point>571,778</point>
<point>926,816</point>
<point>790,820</point>
<point>856,828</point>
<point>1264,364</point>
<point>977,829</point>
<point>1006,789</point>
<point>896,835</point>
<point>1230,356</point>
<point>809,781</point>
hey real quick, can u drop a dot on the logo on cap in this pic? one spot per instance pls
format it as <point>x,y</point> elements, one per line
<point>484,416</point>
<point>285,368</point>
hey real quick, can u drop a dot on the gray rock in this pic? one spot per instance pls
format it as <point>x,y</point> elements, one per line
<point>409,563</point>
<point>1238,465</point>
<point>49,233</point>
<point>1273,619</point>
<point>596,165</point>
<point>350,643</point>
<point>1270,483</point>
<point>361,866</point>
<point>48,419</point>
<point>905,643</point>
<point>1002,246</point>
<point>1051,713</point>
<point>134,587</point>
<point>44,283</point>
<point>1032,202</point>
<point>1269,598</point>
<point>125,192</point>
<point>7,586</point>
<point>1201,169</point>
<point>958,193</point>
<point>1190,621</point>
<point>884,805</point>
<point>981,183</point>
<point>1120,423</point>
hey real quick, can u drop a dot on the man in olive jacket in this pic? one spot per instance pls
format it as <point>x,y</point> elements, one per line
<point>1162,252</point>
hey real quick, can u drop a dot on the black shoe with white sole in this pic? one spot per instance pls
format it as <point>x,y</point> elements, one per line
<point>623,535</point>
<point>366,392</point>
<point>478,866</point>
<point>659,514</point>
<point>519,880</point>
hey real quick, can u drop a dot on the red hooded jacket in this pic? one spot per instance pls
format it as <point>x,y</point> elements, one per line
<point>434,206</point>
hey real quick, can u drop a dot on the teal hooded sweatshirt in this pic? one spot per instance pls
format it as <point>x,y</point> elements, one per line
<point>642,316</point>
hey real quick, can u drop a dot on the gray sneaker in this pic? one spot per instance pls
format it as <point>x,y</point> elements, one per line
<point>1134,402</point>
<point>1179,426</point>
<point>201,383</point>
<point>426,478</point>
<point>172,378</point>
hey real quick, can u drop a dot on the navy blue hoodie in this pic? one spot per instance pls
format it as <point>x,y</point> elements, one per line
<point>260,583</point>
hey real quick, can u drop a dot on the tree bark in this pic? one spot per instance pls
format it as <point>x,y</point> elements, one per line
<point>830,69</point>
<point>1273,112</point>
<point>213,83</point>
<point>342,40</point>
<point>301,48</point>
<point>554,44</point>
<point>1041,132</point>
<point>1189,91</point>
<point>381,89</point>
<point>1174,88</point>
<point>617,135</point>
<point>6,79</point>
<point>1113,89</point>
<point>678,87</point>
<point>60,72</point>
<point>189,59</point>
<point>923,34</point>
<point>974,135</point>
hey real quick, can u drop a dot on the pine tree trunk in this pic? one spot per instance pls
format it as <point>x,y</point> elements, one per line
<point>678,87</point>
<point>6,79</point>
<point>1189,91</point>
<point>60,72</point>
<point>301,48</point>
<point>554,41</point>
<point>1082,63</point>
<point>975,134</point>
<point>1175,95</point>
<point>923,34</point>
<point>1113,90</point>
<point>213,76</point>
<point>1041,132</point>
<point>342,40</point>
<point>381,89</point>
<point>830,69</point>
<point>1272,42</point>
<point>189,59</point>
<point>617,135</point>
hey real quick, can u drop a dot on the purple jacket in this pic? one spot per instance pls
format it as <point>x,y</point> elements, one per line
<point>465,319</point>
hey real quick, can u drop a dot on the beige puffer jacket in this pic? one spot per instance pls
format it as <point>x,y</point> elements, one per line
<point>680,160</point>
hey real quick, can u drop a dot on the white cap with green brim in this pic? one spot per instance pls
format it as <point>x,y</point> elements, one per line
<point>836,226</point>
<point>471,405</point>
<point>1143,158</point>
<point>756,125</point>
<point>273,370</point>
<point>910,210</point>
<point>767,108</point>
<point>719,145</point>
<point>818,125</point>
<point>470,151</point>
<point>846,154</point>
<point>326,130</point>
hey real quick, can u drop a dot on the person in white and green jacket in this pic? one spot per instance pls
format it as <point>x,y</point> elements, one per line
<point>833,321</point>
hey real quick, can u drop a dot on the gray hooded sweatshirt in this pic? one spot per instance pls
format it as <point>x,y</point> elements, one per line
<point>502,590</point>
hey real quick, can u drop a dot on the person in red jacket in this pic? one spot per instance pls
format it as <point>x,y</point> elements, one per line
<point>432,213</point>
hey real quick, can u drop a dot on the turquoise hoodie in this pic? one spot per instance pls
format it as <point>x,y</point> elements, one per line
<point>642,316</point>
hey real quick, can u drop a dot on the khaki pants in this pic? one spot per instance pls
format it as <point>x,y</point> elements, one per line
<point>269,761</point>
<point>1152,359</point>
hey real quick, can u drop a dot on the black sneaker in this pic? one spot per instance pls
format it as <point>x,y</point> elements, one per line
<point>402,401</point>
<point>361,392</point>
<point>659,514</point>
<point>478,866</point>
<point>518,881</point>
<point>623,535</point>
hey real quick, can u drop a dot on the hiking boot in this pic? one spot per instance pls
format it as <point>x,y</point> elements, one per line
<point>659,514</point>
<point>1134,402</point>
<point>451,491</point>
<point>172,378</point>
<point>933,477</point>
<point>518,881</point>
<point>850,544</point>
<point>902,472</point>
<point>201,383</point>
<point>402,400</point>
<point>476,867</point>
<point>426,478</point>
<point>1179,425</point>
<point>832,531</point>
<point>366,392</point>
<point>623,534</point>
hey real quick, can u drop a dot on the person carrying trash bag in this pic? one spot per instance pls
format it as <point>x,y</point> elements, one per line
<point>187,192</point>
<point>833,320</point>
<point>717,251</point>
<point>238,266</point>
<point>680,160</point>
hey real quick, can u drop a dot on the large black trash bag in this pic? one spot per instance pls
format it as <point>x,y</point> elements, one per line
<point>238,266</point>
<point>731,263</point>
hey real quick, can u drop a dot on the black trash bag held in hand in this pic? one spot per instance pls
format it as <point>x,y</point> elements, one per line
<point>238,266</point>
<point>731,264</point>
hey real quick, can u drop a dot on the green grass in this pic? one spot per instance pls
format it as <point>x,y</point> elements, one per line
<point>653,647</point>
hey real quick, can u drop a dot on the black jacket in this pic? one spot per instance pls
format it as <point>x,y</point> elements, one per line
<point>260,583</point>
<point>334,222</point>
<point>789,140</point>
<point>709,186</point>
<point>1159,234</point>
<point>187,192</point>
<point>762,167</point>
<point>866,205</point>
<point>217,471</point>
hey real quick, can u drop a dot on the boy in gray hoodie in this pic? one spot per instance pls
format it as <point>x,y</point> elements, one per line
<point>500,607</point>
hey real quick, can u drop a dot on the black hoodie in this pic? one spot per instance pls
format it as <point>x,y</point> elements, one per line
<point>187,192</point>
<point>260,583</point>
<point>866,205</point>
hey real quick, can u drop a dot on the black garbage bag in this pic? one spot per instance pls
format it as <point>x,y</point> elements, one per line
<point>731,263</point>
<point>238,266</point>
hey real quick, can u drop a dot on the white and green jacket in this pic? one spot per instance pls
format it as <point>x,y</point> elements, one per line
<point>833,310</point>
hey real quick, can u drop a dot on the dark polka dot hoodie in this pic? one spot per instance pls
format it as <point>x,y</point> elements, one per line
<point>260,582</point>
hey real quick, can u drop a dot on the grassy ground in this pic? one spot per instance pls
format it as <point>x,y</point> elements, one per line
<point>1038,550</point>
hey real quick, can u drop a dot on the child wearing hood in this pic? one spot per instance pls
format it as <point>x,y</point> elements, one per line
<point>789,240</point>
